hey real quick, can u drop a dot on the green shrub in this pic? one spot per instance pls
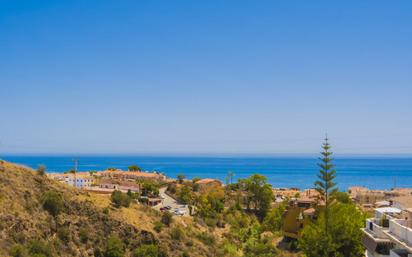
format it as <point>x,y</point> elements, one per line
<point>120,199</point>
<point>18,250</point>
<point>177,233</point>
<point>39,248</point>
<point>114,247</point>
<point>158,226</point>
<point>206,238</point>
<point>167,218</point>
<point>64,234</point>
<point>83,235</point>
<point>41,170</point>
<point>52,202</point>
<point>147,251</point>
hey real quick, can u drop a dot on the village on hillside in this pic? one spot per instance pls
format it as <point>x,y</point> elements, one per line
<point>388,231</point>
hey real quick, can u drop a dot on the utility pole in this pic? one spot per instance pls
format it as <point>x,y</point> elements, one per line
<point>75,171</point>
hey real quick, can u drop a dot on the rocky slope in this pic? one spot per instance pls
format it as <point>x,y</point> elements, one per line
<point>85,224</point>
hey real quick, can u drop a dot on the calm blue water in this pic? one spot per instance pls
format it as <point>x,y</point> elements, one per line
<point>376,173</point>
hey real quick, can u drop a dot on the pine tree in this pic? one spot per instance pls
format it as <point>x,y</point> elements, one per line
<point>327,173</point>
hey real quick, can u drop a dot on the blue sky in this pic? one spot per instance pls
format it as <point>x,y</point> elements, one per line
<point>257,77</point>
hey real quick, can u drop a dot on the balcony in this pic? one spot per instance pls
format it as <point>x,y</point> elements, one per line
<point>400,233</point>
<point>400,253</point>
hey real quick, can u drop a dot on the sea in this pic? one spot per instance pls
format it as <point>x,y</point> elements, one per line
<point>375,172</point>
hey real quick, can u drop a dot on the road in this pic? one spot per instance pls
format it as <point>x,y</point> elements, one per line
<point>169,201</point>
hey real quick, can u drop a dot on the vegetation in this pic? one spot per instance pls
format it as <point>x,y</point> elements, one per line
<point>41,170</point>
<point>115,247</point>
<point>340,236</point>
<point>52,202</point>
<point>149,188</point>
<point>259,193</point>
<point>134,168</point>
<point>167,218</point>
<point>180,178</point>
<point>326,185</point>
<point>274,219</point>
<point>120,199</point>
<point>150,250</point>
<point>343,237</point>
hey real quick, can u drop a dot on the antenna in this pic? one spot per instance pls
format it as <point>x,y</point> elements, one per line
<point>76,163</point>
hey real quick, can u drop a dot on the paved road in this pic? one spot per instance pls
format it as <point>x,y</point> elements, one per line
<point>169,201</point>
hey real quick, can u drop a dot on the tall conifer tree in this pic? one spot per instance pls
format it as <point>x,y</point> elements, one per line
<point>327,173</point>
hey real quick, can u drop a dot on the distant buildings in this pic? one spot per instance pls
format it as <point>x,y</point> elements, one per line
<point>107,181</point>
<point>299,212</point>
<point>80,179</point>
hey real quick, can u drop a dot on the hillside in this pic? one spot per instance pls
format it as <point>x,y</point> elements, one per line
<point>87,225</point>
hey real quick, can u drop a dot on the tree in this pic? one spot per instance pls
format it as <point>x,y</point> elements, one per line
<point>149,188</point>
<point>342,197</point>
<point>259,192</point>
<point>229,177</point>
<point>326,185</point>
<point>195,179</point>
<point>274,218</point>
<point>41,170</point>
<point>180,178</point>
<point>185,195</point>
<point>343,237</point>
<point>134,167</point>
<point>120,199</point>
<point>114,247</point>
<point>52,202</point>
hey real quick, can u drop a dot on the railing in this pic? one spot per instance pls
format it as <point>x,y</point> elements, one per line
<point>399,253</point>
<point>372,225</point>
<point>397,228</point>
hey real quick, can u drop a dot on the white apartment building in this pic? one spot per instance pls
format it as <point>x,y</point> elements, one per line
<point>388,233</point>
<point>79,181</point>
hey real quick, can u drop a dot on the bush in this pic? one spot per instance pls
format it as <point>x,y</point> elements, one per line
<point>120,199</point>
<point>147,251</point>
<point>41,170</point>
<point>64,234</point>
<point>83,235</point>
<point>52,202</point>
<point>158,226</point>
<point>176,233</point>
<point>114,247</point>
<point>167,218</point>
<point>18,251</point>
<point>134,168</point>
<point>206,238</point>
<point>39,248</point>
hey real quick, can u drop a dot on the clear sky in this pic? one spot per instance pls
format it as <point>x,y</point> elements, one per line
<point>205,76</point>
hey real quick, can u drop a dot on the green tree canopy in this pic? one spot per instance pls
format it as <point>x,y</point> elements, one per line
<point>274,219</point>
<point>120,199</point>
<point>343,237</point>
<point>259,192</point>
<point>134,167</point>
